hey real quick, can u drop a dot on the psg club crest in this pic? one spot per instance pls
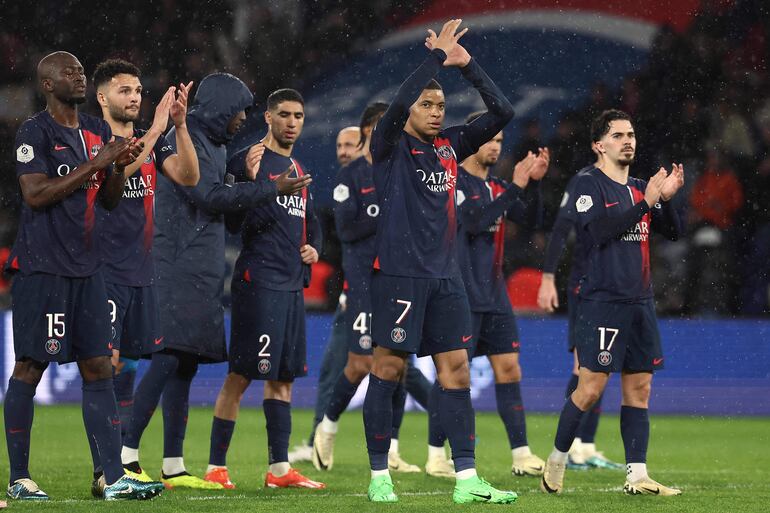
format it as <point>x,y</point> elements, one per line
<point>95,149</point>
<point>264,366</point>
<point>398,335</point>
<point>604,358</point>
<point>52,346</point>
<point>445,152</point>
<point>365,342</point>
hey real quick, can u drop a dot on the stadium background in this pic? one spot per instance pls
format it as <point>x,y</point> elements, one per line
<point>692,73</point>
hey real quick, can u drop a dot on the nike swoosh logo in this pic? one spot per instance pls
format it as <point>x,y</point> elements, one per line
<point>608,205</point>
<point>58,147</point>
<point>321,464</point>
<point>475,197</point>
<point>417,152</point>
<point>158,341</point>
<point>656,491</point>
<point>367,190</point>
<point>15,431</point>
<point>273,177</point>
<point>486,497</point>
<point>467,338</point>
<point>657,361</point>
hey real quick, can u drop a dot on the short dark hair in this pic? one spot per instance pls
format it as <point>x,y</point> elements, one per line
<point>106,70</point>
<point>372,113</point>
<point>473,116</point>
<point>600,126</point>
<point>433,84</point>
<point>284,95</point>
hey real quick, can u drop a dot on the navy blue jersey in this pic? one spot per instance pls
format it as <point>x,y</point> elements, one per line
<point>128,229</point>
<point>62,238</point>
<point>273,232</point>
<point>566,221</point>
<point>415,180</point>
<point>615,224</point>
<point>483,205</point>
<point>355,216</point>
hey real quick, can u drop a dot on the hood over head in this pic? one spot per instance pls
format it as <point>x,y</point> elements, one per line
<point>219,97</point>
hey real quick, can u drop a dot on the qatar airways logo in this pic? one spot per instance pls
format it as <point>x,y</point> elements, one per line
<point>639,233</point>
<point>437,181</point>
<point>139,187</point>
<point>294,205</point>
<point>94,181</point>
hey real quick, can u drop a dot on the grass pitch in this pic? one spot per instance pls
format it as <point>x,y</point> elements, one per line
<point>721,464</point>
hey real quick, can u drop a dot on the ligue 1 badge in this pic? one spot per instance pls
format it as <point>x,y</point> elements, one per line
<point>398,335</point>
<point>605,358</point>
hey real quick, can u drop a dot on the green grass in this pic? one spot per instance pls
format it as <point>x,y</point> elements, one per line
<point>720,463</point>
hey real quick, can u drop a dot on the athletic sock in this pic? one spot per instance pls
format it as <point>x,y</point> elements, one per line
<point>278,425</point>
<point>399,404</point>
<point>569,420</point>
<point>378,420</point>
<point>18,413</point>
<point>571,385</point>
<point>635,431</point>
<point>436,436</point>
<point>280,469</point>
<point>147,397</point>
<point>173,466</point>
<point>343,392</point>
<point>124,395</point>
<point>636,472</point>
<point>176,406</point>
<point>100,416</point>
<point>459,423</point>
<point>511,410</point>
<point>221,434</point>
<point>590,423</point>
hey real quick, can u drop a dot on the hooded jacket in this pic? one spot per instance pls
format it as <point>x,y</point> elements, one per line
<point>189,225</point>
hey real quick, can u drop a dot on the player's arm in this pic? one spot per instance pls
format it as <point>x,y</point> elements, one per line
<point>603,228</point>
<point>350,209</point>
<point>666,219</point>
<point>182,168</point>
<point>529,211</point>
<point>388,129</point>
<point>312,248</point>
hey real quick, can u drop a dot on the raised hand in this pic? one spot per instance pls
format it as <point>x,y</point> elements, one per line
<point>287,185</point>
<point>540,166</point>
<point>652,192</point>
<point>130,154</point>
<point>308,254</point>
<point>447,40</point>
<point>253,160</point>
<point>160,121</point>
<point>522,170</point>
<point>672,183</point>
<point>178,109</point>
<point>547,297</point>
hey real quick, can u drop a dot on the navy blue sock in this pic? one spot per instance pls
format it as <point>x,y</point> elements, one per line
<point>635,430</point>
<point>343,392</point>
<point>459,423</point>
<point>399,404</point>
<point>590,423</point>
<point>378,420</point>
<point>436,436</point>
<point>176,406</point>
<point>511,410</point>
<point>569,420</point>
<point>221,434</point>
<point>571,386</point>
<point>278,425</point>
<point>100,416</point>
<point>124,395</point>
<point>148,395</point>
<point>18,413</point>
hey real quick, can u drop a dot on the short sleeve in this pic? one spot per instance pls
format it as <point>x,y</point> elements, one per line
<point>31,149</point>
<point>162,150</point>
<point>586,200</point>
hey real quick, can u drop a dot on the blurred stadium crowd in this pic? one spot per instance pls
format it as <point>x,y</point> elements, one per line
<point>703,99</point>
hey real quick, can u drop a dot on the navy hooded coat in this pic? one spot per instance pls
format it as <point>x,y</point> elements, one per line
<point>189,239</point>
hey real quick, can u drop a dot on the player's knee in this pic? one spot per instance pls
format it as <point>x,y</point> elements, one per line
<point>455,374</point>
<point>357,369</point>
<point>95,369</point>
<point>29,371</point>
<point>509,372</point>
<point>638,395</point>
<point>279,390</point>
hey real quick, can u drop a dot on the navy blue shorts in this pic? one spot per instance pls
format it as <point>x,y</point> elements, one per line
<point>615,337</point>
<point>573,299</point>
<point>493,333</point>
<point>358,320</point>
<point>134,317</point>
<point>59,319</point>
<point>425,316</point>
<point>267,338</point>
